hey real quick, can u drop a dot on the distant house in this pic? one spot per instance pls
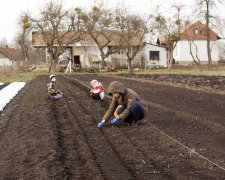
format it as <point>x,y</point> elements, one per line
<point>194,39</point>
<point>10,57</point>
<point>86,53</point>
<point>155,55</point>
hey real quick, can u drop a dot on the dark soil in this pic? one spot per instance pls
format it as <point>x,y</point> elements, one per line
<point>2,86</point>
<point>60,140</point>
<point>216,83</point>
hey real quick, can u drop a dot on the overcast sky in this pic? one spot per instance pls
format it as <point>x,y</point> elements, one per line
<point>11,9</point>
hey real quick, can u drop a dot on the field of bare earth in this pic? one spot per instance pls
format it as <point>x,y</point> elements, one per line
<point>182,136</point>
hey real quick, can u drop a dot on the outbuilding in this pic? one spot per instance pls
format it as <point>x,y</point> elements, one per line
<point>155,55</point>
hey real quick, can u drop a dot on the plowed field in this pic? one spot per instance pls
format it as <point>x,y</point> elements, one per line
<point>41,139</point>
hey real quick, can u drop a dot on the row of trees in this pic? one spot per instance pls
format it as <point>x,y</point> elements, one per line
<point>117,30</point>
<point>61,26</point>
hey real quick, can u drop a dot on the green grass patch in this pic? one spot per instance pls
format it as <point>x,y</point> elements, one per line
<point>17,77</point>
<point>29,76</point>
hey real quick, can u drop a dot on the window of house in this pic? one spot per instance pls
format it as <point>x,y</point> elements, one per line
<point>154,56</point>
<point>121,52</point>
<point>196,31</point>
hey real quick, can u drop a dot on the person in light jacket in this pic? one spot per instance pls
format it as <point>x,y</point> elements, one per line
<point>97,92</point>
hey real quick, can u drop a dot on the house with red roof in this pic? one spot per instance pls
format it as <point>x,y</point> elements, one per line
<point>85,52</point>
<point>10,57</point>
<point>192,42</point>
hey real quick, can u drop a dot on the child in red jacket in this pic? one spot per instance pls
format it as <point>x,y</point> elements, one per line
<point>98,91</point>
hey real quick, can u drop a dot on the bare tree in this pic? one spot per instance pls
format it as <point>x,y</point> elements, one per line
<point>221,47</point>
<point>54,27</point>
<point>190,35</point>
<point>204,9</point>
<point>220,27</point>
<point>23,38</point>
<point>195,57</point>
<point>193,34</point>
<point>171,28</point>
<point>98,24</point>
<point>133,29</point>
<point>3,42</point>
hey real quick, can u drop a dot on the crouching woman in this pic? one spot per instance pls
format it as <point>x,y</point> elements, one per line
<point>126,105</point>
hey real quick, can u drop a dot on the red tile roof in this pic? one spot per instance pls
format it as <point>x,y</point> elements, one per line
<point>114,37</point>
<point>196,31</point>
<point>11,53</point>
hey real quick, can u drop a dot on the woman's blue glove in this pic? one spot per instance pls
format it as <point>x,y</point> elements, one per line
<point>115,120</point>
<point>101,124</point>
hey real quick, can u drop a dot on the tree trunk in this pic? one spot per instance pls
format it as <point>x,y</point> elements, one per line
<point>208,39</point>
<point>129,67</point>
<point>55,60</point>
<point>170,59</point>
<point>209,55</point>
<point>51,61</point>
<point>195,58</point>
<point>102,64</point>
<point>103,59</point>
<point>23,48</point>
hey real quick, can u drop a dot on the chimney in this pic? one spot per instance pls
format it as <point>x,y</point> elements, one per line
<point>6,46</point>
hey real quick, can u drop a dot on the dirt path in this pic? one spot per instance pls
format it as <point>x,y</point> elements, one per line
<point>60,140</point>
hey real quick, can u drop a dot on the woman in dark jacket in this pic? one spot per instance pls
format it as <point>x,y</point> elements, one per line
<point>126,105</point>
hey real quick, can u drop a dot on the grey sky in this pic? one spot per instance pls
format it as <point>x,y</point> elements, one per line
<point>10,10</point>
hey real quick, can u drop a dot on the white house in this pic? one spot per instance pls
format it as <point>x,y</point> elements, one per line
<point>10,57</point>
<point>85,52</point>
<point>182,53</point>
<point>192,43</point>
<point>155,55</point>
<point>88,54</point>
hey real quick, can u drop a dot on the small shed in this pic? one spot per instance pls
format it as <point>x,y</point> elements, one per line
<point>155,55</point>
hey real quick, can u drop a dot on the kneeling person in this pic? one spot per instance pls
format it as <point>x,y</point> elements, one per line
<point>53,92</point>
<point>97,92</point>
<point>126,105</point>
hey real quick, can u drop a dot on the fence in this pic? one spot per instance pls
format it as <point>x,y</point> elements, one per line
<point>122,62</point>
<point>8,69</point>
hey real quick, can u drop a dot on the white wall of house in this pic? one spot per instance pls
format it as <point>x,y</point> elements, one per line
<point>150,50</point>
<point>221,49</point>
<point>7,62</point>
<point>120,59</point>
<point>182,51</point>
<point>87,52</point>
